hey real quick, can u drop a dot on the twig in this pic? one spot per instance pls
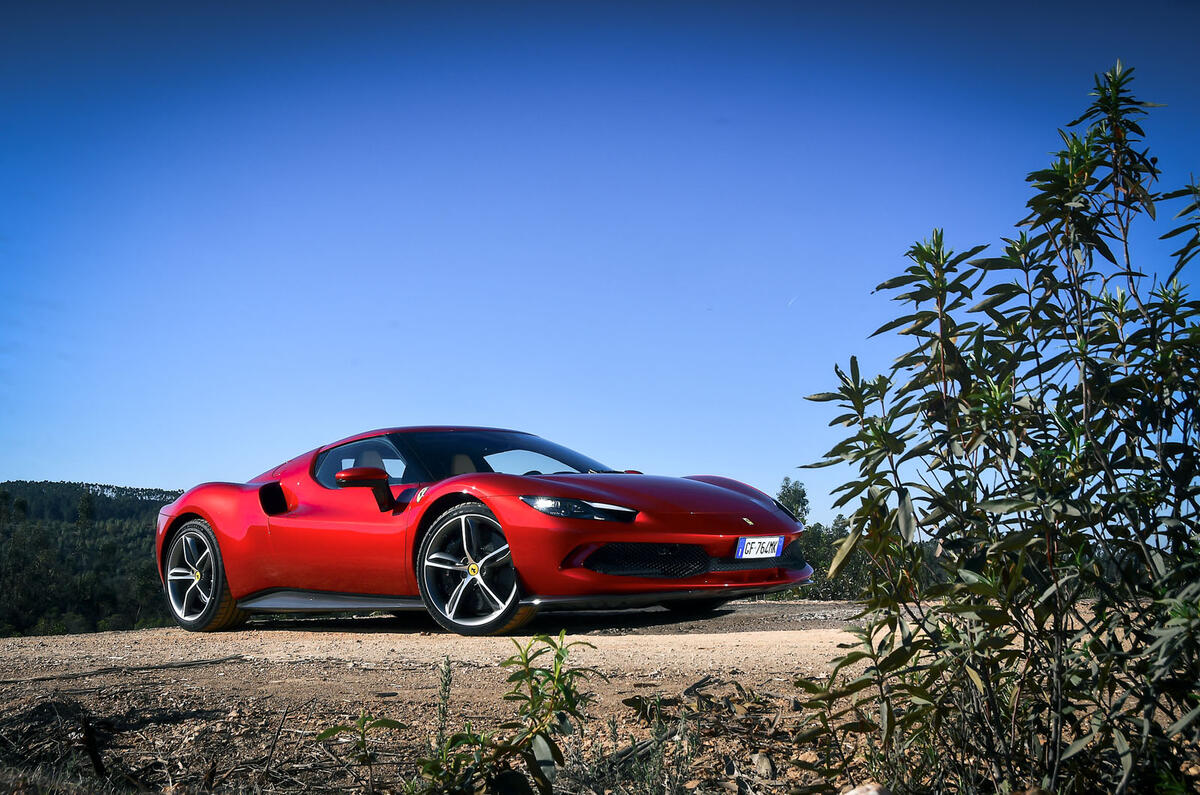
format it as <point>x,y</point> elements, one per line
<point>124,669</point>
<point>275,739</point>
<point>89,745</point>
<point>341,762</point>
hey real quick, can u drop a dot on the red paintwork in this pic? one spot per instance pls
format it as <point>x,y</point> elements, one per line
<point>361,476</point>
<point>337,540</point>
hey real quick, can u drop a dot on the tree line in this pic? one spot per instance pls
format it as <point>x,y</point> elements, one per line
<point>78,557</point>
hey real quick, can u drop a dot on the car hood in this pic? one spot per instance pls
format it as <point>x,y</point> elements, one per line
<point>652,493</point>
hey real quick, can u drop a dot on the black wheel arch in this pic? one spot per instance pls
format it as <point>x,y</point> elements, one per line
<point>433,511</point>
<point>173,528</point>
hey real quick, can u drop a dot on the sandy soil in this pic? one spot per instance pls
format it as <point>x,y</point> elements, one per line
<point>320,671</point>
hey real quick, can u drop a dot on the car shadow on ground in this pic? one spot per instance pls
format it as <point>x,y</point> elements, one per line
<point>647,621</point>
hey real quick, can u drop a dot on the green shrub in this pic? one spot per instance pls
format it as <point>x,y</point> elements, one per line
<point>549,703</point>
<point>1027,498</point>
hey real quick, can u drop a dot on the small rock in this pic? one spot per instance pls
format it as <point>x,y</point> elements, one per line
<point>870,789</point>
<point>763,766</point>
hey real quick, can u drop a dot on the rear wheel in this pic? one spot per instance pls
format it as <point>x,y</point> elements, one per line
<point>466,574</point>
<point>695,607</point>
<point>194,578</point>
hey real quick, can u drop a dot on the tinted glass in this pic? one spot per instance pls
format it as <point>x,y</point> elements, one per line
<point>444,454</point>
<point>376,452</point>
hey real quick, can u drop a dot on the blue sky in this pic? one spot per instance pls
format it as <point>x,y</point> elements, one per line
<point>230,234</point>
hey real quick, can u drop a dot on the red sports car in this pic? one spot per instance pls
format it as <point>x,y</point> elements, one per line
<point>481,527</point>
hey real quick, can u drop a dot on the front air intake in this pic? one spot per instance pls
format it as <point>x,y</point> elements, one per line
<point>629,559</point>
<point>648,560</point>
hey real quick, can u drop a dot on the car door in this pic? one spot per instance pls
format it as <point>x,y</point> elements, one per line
<point>337,539</point>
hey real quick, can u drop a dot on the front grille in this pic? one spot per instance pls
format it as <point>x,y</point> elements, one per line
<point>678,560</point>
<point>790,559</point>
<point>648,560</point>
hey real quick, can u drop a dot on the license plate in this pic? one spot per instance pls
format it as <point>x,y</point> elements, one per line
<point>759,547</point>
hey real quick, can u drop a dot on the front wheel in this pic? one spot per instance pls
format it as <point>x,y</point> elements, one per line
<point>466,574</point>
<point>194,576</point>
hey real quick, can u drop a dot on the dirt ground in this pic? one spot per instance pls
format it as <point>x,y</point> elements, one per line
<point>242,708</point>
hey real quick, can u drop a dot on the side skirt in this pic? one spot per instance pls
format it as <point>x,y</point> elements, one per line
<point>294,601</point>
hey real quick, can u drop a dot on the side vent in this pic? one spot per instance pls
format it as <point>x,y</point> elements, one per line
<point>272,499</point>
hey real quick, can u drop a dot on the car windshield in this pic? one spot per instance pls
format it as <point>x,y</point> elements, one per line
<point>444,454</point>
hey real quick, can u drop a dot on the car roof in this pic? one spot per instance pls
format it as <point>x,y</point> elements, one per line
<point>416,429</point>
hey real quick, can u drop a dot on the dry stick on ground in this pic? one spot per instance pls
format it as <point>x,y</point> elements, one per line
<point>89,745</point>
<point>116,669</point>
<point>274,740</point>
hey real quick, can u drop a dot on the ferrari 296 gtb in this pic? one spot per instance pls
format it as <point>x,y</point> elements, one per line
<point>480,527</point>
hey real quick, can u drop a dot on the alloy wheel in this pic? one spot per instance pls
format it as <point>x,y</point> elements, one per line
<point>191,574</point>
<point>468,571</point>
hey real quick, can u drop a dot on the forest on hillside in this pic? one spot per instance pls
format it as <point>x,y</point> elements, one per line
<point>78,557</point>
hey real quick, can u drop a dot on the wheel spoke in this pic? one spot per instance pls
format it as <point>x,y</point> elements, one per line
<point>466,536</point>
<point>179,574</point>
<point>186,595</point>
<point>200,559</point>
<point>456,597</point>
<point>492,558</point>
<point>443,560</point>
<point>488,593</point>
<point>188,551</point>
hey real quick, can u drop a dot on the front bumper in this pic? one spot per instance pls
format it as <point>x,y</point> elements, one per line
<point>551,553</point>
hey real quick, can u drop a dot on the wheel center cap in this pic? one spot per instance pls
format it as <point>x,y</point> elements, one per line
<point>473,569</point>
<point>195,575</point>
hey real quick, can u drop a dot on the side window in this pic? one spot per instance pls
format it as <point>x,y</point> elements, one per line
<point>377,452</point>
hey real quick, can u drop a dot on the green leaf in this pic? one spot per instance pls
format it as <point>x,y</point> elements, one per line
<point>1180,725</point>
<point>1124,750</point>
<point>990,302</point>
<point>1005,506</point>
<point>824,397</point>
<point>1078,745</point>
<point>844,549</point>
<point>333,731</point>
<point>905,517</point>
<point>994,263</point>
<point>899,281</point>
<point>543,752</point>
<point>976,678</point>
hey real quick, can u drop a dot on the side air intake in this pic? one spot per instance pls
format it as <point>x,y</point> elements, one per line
<point>272,499</point>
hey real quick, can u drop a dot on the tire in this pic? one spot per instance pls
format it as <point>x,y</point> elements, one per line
<point>466,576</point>
<point>194,582</point>
<point>695,607</point>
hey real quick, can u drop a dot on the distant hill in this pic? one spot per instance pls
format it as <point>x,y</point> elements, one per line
<point>78,557</point>
<point>60,500</point>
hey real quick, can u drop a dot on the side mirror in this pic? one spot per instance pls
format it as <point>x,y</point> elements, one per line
<point>632,472</point>
<point>372,478</point>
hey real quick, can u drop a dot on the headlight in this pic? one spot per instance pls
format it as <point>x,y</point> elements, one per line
<point>580,509</point>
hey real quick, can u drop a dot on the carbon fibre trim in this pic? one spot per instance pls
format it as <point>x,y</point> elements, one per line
<point>291,601</point>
